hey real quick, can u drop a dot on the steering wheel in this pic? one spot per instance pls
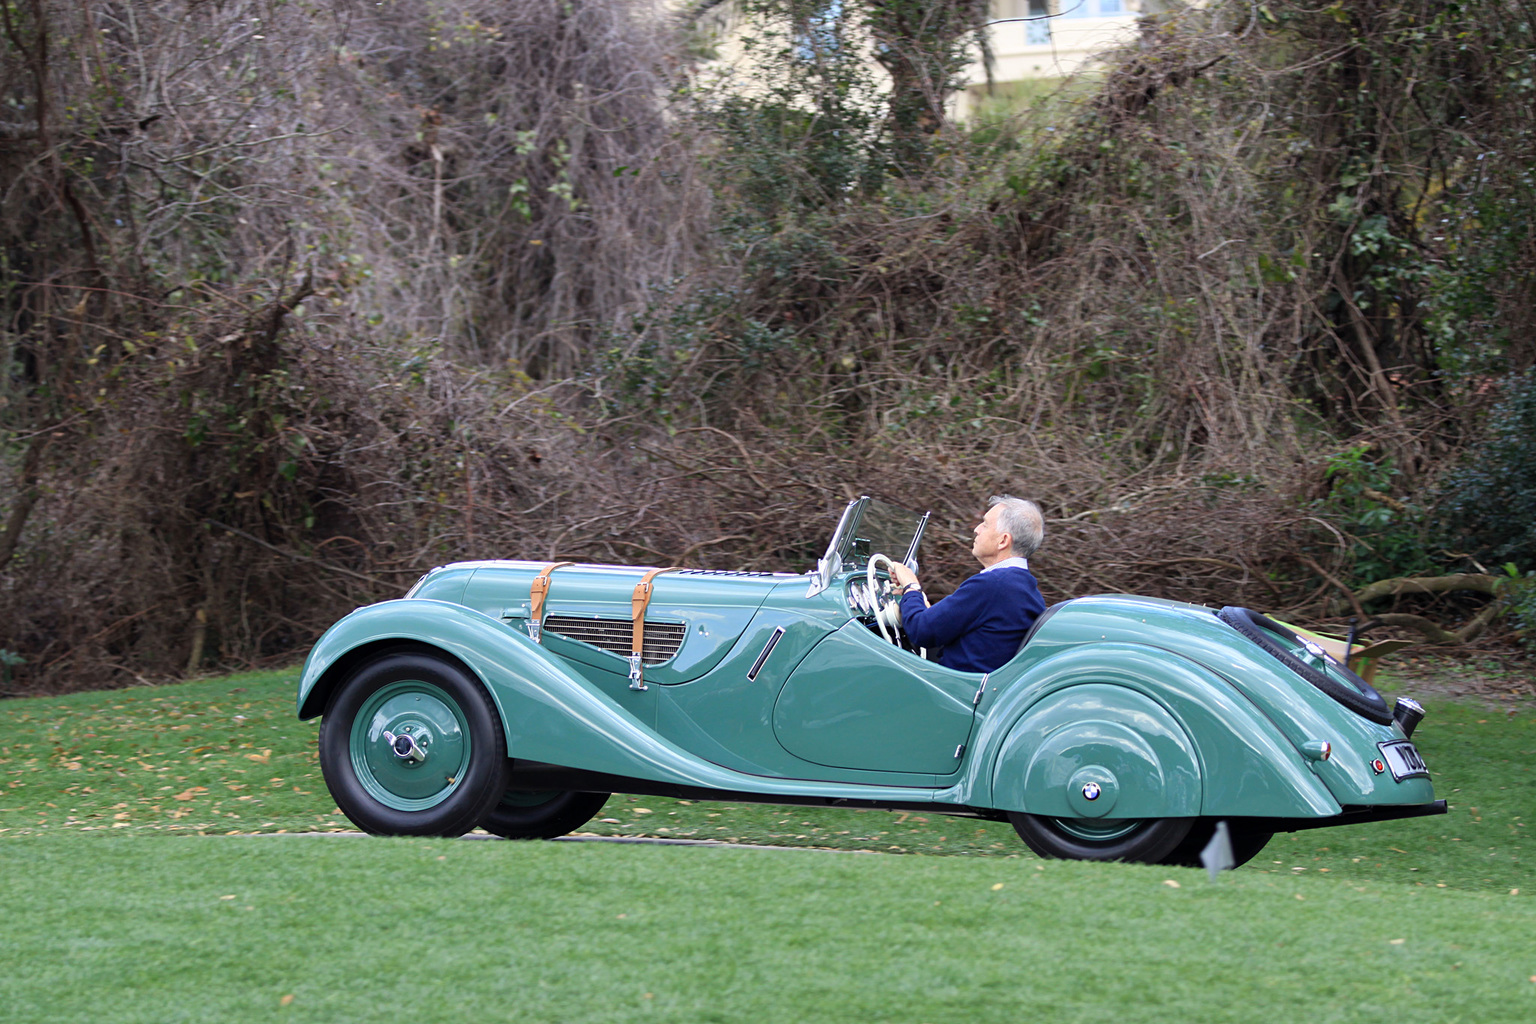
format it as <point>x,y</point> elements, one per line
<point>887,602</point>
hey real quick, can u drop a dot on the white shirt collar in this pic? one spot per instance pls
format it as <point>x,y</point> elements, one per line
<point>1009,563</point>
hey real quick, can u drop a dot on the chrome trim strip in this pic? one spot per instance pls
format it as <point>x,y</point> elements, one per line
<point>757,666</point>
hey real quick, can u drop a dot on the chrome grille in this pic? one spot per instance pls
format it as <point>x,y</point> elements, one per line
<point>617,636</point>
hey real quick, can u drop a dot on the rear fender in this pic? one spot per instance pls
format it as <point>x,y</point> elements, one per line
<point>1093,750</point>
<point>1190,743</point>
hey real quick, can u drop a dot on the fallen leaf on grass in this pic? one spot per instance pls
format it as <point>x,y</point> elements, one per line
<point>998,886</point>
<point>188,794</point>
<point>261,758</point>
<point>1170,883</point>
<point>285,1000</point>
<point>1396,942</point>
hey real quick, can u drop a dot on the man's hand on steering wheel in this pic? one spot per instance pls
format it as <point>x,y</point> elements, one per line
<point>888,597</point>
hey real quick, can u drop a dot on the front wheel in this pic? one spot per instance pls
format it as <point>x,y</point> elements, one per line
<point>412,746</point>
<point>1143,840</point>
<point>522,815</point>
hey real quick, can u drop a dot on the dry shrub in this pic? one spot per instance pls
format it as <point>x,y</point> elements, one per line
<point>241,307</point>
<point>394,182</point>
<point>501,178</point>
<point>512,176</point>
<point>232,495</point>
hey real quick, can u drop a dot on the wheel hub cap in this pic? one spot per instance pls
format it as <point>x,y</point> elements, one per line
<point>410,745</point>
<point>406,747</point>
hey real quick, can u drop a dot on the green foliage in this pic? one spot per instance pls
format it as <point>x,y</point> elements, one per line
<point>807,133</point>
<point>923,45</point>
<point>1487,503</point>
<point>9,659</point>
<point>1520,598</point>
<point>1386,538</point>
<point>663,346</point>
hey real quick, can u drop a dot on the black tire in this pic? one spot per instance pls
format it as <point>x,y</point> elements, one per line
<point>452,724</point>
<point>522,815</point>
<point>1246,843</point>
<point>1142,840</point>
<point>1336,680</point>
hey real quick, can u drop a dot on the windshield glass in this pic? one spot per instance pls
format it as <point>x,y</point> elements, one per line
<point>869,526</point>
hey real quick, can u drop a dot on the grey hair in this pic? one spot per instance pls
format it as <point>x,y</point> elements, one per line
<point>1022,520</point>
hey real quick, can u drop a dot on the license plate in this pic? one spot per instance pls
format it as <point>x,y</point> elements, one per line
<point>1403,758</point>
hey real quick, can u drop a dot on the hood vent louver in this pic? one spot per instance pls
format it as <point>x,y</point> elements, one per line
<point>616,636</point>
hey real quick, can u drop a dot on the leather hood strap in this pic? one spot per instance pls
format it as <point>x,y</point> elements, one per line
<point>638,602</point>
<point>538,591</point>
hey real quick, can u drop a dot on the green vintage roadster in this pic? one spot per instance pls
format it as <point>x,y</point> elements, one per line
<point>516,696</point>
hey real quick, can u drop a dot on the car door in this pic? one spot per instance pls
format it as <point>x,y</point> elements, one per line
<point>856,701</point>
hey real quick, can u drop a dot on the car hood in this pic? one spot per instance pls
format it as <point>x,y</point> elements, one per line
<point>698,613</point>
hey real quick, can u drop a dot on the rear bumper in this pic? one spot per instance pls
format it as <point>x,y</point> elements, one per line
<point>1349,816</point>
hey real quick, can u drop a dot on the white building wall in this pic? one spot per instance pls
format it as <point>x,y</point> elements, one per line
<point>1050,47</point>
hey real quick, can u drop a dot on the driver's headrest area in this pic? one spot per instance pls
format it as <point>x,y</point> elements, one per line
<point>1036,627</point>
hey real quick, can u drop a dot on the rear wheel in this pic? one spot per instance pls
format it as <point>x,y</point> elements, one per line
<point>522,815</point>
<point>1246,843</point>
<point>411,745</point>
<point>1144,840</point>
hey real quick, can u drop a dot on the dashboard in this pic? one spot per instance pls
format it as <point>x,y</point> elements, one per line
<point>860,601</point>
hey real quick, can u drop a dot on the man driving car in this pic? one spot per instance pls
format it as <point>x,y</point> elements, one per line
<point>980,626</point>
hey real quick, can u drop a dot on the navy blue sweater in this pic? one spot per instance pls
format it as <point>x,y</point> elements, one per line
<point>981,624</point>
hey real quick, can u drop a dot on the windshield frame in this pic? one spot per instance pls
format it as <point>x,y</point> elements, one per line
<point>846,554</point>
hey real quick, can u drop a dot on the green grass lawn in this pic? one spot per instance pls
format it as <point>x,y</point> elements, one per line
<point>135,891</point>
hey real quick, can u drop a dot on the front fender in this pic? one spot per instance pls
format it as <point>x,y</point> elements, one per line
<point>1215,753</point>
<point>446,626</point>
<point>549,712</point>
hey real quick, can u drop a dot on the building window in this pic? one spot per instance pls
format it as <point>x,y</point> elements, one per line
<point>819,35</point>
<point>1092,8</point>
<point>1036,33</point>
